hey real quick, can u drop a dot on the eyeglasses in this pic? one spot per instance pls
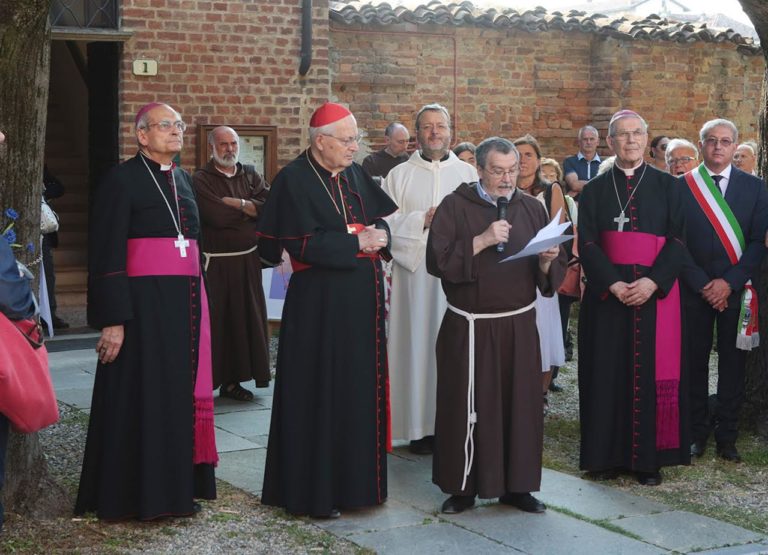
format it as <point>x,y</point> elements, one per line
<point>636,135</point>
<point>712,142</point>
<point>428,127</point>
<point>349,140</point>
<point>681,160</point>
<point>166,125</point>
<point>497,172</point>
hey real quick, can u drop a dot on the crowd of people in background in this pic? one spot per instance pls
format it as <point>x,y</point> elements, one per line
<point>402,323</point>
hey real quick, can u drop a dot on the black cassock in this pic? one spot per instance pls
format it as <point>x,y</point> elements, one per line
<point>139,452</point>
<point>328,436</point>
<point>618,386</point>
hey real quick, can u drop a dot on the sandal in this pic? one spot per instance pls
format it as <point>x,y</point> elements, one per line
<point>235,391</point>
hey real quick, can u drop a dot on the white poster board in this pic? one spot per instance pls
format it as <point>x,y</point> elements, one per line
<point>274,281</point>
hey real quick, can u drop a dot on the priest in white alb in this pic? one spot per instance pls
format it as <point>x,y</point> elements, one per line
<point>417,302</point>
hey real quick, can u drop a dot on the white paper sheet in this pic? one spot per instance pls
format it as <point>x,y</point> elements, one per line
<point>548,236</point>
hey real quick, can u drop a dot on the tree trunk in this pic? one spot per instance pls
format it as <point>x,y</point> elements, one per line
<point>25,68</point>
<point>756,404</point>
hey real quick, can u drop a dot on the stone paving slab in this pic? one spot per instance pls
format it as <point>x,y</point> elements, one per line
<point>226,442</point>
<point>551,532</point>
<point>243,469</point>
<point>244,423</point>
<point>429,538</point>
<point>391,515</point>
<point>593,500</point>
<point>223,405</point>
<point>683,531</point>
<point>78,398</point>
<point>750,549</point>
<point>75,378</point>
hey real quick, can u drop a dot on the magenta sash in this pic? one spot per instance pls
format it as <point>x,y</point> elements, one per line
<point>630,247</point>
<point>158,256</point>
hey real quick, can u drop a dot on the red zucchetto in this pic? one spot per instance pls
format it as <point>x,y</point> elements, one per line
<point>330,112</point>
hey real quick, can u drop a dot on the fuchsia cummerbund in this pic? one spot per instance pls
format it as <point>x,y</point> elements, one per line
<point>630,248</point>
<point>158,256</point>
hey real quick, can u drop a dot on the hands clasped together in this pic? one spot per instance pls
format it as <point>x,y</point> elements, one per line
<point>371,239</point>
<point>635,293</point>
<point>716,293</point>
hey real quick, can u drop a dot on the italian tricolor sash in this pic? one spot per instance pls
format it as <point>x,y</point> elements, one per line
<point>728,230</point>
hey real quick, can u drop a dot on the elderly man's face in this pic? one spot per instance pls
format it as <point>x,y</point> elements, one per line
<point>434,134</point>
<point>718,147</point>
<point>588,141</point>
<point>744,159</point>
<point>397,142</point>
<point>159,141</point>
<point>226,148</point>
<point>500,173</point>
<point>337,150</point>
<point>628,141</point>
<point>682,160</point>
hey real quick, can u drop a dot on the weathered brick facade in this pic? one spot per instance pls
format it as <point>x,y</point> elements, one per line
<point>236,62</point>
<point>225,61</point>
<point>511,82</point>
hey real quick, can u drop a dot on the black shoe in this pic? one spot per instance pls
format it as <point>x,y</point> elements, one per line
<point>423,446</point>
<point>602,475</point>
<point>649,478</point>
<point>553,387</point>
<point>698,447</point>
<point>523,501</point>
<point>59,324</point>
<point>728,452</point>
<point>196,507</point>
<point>335,513</point>
<point>456,504</point>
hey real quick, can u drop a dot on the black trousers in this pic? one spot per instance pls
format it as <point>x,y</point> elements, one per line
<point>701,320</point>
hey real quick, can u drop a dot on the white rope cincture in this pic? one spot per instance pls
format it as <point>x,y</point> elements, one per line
<point>469,439</point>
<point>208,255</point>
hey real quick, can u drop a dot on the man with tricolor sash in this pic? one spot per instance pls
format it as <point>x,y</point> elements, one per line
<point>727,214</point>
<point>632,376</point>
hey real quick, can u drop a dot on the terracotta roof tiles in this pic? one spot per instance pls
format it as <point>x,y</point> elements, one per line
<point>653,27</point>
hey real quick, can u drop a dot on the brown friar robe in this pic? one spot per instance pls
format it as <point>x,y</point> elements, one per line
<point>240,344</point>
<point>508,398</point>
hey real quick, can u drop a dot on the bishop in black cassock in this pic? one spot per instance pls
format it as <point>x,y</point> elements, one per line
<point>328,438</point>
<point>632,379</point>
<point>150,449</point>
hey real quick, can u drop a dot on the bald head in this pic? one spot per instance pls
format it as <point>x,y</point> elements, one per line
<point>396,136</point>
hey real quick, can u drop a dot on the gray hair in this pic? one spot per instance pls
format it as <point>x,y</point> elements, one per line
<point>433,108</point>
<point>749,146</point>
<point>143,122</point>
<point>679,143</point>
<point>588,128</point>
<point>466,146</point>
<point>394,126</point>
<point>327,129</point>
<point>494,144</point>
<point>212,134</point>
<point>612,125</point>
<point>711,124</point>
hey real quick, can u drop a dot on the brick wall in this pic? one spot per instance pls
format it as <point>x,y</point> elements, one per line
<point>226,61</point>
<point>549,84</point>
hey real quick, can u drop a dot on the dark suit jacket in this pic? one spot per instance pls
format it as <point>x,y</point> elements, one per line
<point>748,198</point>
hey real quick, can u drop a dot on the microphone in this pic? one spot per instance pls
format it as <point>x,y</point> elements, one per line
<point>501,204</point>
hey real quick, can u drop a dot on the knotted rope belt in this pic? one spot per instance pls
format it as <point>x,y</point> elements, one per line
<point>469,440</point>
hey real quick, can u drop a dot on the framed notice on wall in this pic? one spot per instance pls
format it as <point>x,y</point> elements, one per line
<point>258,146</point>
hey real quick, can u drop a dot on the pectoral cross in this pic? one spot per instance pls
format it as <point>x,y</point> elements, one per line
<point>621,219</point>
<point>182,245</point>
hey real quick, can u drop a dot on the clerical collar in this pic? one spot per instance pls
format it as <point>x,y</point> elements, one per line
<point>163,167</point>
<point>319,167</point>
<point>629,172</point>
<point>443,159</point>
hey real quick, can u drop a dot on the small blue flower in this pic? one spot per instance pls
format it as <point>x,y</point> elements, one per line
<point>31,248</point>
<point>10,213</point>
<point>10,236</point>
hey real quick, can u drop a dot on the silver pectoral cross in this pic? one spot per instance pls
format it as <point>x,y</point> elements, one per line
<point>181,243</point>
<point>621,219</point>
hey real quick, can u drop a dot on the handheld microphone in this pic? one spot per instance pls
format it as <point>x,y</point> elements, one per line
<point>501,204</point>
